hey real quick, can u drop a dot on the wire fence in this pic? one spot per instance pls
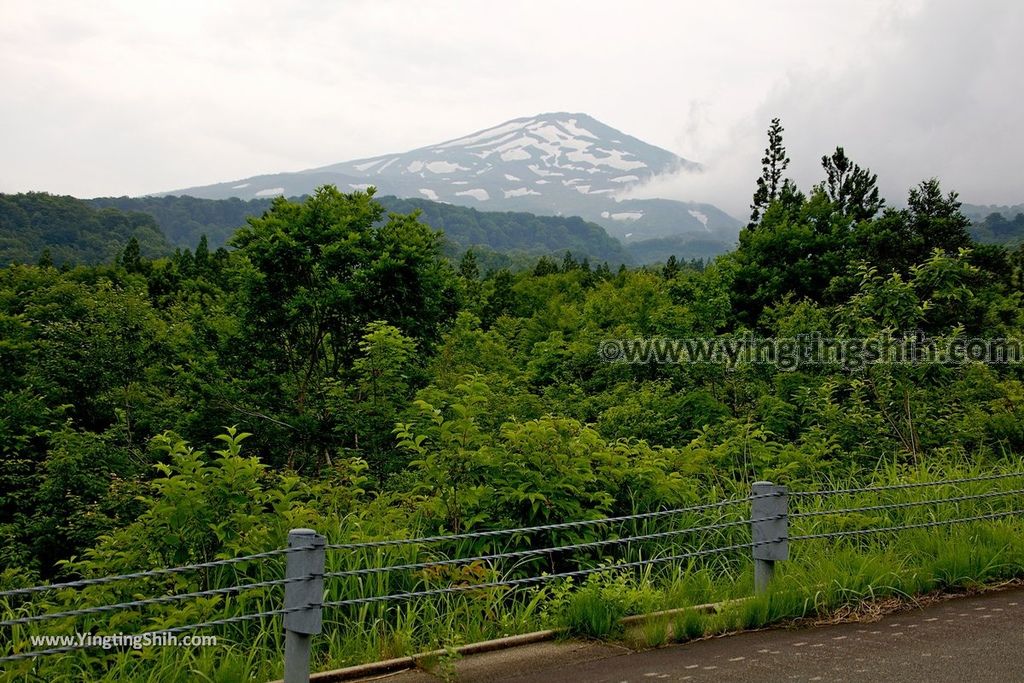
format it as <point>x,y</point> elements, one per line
<point>388,571</point>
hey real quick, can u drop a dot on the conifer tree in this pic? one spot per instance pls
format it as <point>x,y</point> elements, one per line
<point>773,165</point>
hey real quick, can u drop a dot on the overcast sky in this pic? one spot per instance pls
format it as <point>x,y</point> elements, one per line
<point>114,98</point>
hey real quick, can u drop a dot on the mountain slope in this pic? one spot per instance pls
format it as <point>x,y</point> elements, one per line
<point>185,219</point>
<point>71,230</point>
<point>550,164</point>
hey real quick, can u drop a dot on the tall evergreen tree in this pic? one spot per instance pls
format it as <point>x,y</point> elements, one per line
<point>773,165</point>
<point>671,268</point>
<point>202,255</point>
<point>131,257</point>
<point>468,267</point>
<point>45,259</point>
<point>569,263</point>
<point>545,266</point>
<point>853,190</point>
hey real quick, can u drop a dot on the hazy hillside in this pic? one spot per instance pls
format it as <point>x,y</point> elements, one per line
<point>185,219</point>
<point>72,230</point>
<point>978,212</point>
<point>1000,228</point>
<point>683,247</point>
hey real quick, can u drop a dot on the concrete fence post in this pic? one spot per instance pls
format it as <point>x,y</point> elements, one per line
<point>307,593</point>
<point>769,528</point>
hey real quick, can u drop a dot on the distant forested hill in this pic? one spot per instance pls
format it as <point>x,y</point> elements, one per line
<point>684,247</point>
<point>71,230</point>
<point>185,219</point>
<point>978,212</point>
<point>996,228</point>
<point>515,232</point>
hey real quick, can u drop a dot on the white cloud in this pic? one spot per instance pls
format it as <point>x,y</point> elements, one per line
<point>933,93</point>
<point>127,97</point>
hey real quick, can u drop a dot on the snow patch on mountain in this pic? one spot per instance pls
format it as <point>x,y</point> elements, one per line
<point>519,192</point>
<point>477,193</point>
<point>444,167</point>
<point>515,154</point>
<point>573,128</point>
<point>700,216</point>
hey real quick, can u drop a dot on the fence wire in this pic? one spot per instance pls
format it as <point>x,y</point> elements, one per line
<point>904,527</point>
<point>533,552</point>
<point>908,504</point>
<point>150,573</point>
<point>162,600</point>
<point>900,487</point>
<point>512,555</point>
<point>512,583</point>
<point>424,540</point>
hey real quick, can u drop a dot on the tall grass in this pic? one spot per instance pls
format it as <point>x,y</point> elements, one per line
<point>821,576</point>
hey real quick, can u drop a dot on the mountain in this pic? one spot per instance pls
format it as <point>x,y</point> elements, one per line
<point>185,219</point>
<point>979,212</point>
<point>552,164</point>
<point>72,230</point>
<point>996,224</point>
<point>514,232</point>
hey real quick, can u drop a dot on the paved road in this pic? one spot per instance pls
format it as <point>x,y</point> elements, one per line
<point>979,638</point>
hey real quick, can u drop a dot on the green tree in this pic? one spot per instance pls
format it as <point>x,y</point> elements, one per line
<point>854,190</point>
<point>314,274</point>
<point>773,165</point>
<point>671,268</point>
<point>382,379</point>
<point>131,257</point>
<point>45,259</point>
<point>499,297</point>
<point>899,239</point>
<point>202,255</point>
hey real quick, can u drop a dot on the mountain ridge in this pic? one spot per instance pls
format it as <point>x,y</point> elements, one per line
<point>558,163</point>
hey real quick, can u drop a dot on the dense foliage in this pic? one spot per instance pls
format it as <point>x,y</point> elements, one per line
<point>329,324</point>
<point>60,230</point>
<point>381,391</point>
<point>186,219</point>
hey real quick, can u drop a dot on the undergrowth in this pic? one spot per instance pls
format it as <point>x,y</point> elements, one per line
<point>820,578</point>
